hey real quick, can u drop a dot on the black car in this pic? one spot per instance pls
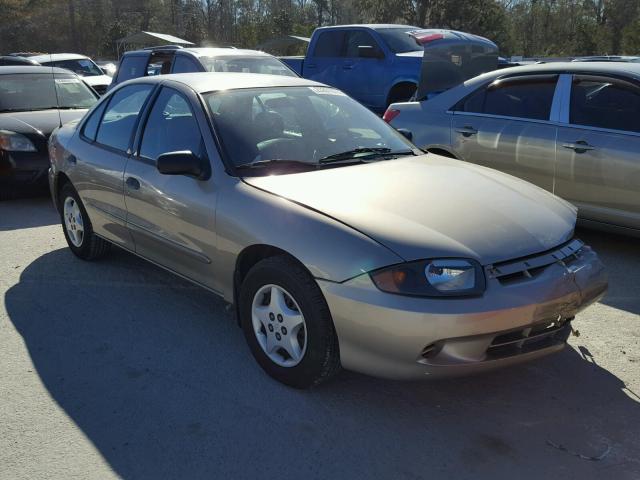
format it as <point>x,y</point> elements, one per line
<point>34,101</point>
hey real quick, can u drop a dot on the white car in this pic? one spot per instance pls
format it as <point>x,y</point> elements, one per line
<point>81,65</point>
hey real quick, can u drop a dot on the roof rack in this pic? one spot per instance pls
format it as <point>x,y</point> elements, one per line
<point>164,47</point>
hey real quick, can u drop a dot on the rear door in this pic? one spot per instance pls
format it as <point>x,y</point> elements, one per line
<point>507,125</point>
<point>598,151</point>
<point>172,217</point>
<point>101,153</point>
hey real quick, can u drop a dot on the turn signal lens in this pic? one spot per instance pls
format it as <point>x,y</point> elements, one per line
<point>390,114</point>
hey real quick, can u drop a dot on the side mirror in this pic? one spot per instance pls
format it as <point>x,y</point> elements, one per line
<point>369,51</point>
<point>181,163</point>
<point>406,133</point>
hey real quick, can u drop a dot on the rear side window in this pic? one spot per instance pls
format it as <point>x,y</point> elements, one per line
<point>329,44</point>
<point>133,66</point>
<point>119,120</point>
<point>605,102</point>
<point>520,97</point>
<point>171,127</point>
<point>183,64</point>
<point>90,128</point>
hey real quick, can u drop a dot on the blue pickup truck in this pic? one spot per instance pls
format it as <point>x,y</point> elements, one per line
<point>377,64</point>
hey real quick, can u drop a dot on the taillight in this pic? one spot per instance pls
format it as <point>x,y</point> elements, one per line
<point>430,37</point>
<point>390,114</point>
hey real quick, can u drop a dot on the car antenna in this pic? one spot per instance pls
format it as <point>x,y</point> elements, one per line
<point>55,89</point>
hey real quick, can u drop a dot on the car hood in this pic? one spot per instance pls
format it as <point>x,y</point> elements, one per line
<point>39,123</point>
<point>431,206</point>
<point>97,80</point>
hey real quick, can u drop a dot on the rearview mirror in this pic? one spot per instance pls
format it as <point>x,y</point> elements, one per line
<point>369,51</point>
<point>181,163</point>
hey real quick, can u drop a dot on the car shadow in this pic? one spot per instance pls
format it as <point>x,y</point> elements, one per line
<point>621,255</point>
<point>27,213</point>
<point>156,374</point>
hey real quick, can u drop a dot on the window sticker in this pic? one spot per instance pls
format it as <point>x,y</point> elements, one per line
<point>67,80</point>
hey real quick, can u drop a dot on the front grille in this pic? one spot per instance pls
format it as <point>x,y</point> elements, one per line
<point>536,337</point>
<point>521,269</point>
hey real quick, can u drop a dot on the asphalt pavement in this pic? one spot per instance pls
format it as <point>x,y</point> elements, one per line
<point>118,369</point>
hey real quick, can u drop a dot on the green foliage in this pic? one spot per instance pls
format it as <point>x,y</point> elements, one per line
<point>519,27</point>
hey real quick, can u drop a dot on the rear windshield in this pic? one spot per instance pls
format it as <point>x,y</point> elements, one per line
<point>398,40</point>
<point>34,91</point>
<point>268,65</point>
<point>82,66</point>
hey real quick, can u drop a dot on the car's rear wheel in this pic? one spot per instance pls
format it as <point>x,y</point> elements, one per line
<point>287,323</point>
<point>77,227</point>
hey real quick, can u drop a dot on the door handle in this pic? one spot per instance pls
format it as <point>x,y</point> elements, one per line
<point>133,183</point>
<point>467,131</point>
<point>579,147</point>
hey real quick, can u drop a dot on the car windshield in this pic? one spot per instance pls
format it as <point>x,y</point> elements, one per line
<point>398,40</point>
<point>268,65</point>
<point>35,91</point>
<point>82,66</point>
<point>309,125</point>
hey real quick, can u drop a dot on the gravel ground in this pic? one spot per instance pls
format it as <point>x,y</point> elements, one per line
<point>119,369</point>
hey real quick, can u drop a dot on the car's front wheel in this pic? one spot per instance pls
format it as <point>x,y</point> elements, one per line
<point>287,323</point>
<point>77,227</point>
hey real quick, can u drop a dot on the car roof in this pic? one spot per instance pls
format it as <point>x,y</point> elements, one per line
<point>56,57</point>
<point>569,67</point>
<point>215,81</point>
<point>34,69</point>
<point>373,26</point>
<point>224,52</point>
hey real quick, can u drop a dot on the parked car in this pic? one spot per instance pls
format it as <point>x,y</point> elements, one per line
<point>33,102</point>
<point>108,67</point>
<point>12,60</point>
<point>175,59</point>
<point>381,64</point>
<point>337,240</point>
<point>81,65</point>
<point>570,128</point>
<point>608,58</point>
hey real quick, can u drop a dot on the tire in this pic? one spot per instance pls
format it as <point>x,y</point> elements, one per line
<point>86,246</point>
<point>319,359</point>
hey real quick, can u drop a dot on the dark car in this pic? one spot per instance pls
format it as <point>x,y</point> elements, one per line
<point>33,102</point>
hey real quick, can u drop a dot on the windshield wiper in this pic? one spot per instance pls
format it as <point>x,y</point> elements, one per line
<point>266,163</point>
<point>367,152</point>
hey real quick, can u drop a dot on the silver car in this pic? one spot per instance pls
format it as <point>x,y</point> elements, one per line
<point>570,128</point>
<point>338,242</point>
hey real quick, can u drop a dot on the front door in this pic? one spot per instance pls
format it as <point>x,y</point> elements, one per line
<point>172,217</point>
<point>506,126</point>
<point>598,151</point>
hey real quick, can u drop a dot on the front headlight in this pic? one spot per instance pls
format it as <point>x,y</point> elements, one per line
<point>14,142</point>
<point>443,277</point>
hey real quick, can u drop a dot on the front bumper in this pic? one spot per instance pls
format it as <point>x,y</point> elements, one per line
<point>23,168</point>
<point>402,337</point>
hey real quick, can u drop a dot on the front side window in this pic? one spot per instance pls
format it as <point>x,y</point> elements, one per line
<point>358,38</point>
<point>171,127</point>
<point>605,102</point>
<point>121,115</point>
<point>302,124</point>
<point>527,97</point>
<point>42,91</point>
<point>133,66</point>
<point>330,44</point>
<point>267,65</point>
